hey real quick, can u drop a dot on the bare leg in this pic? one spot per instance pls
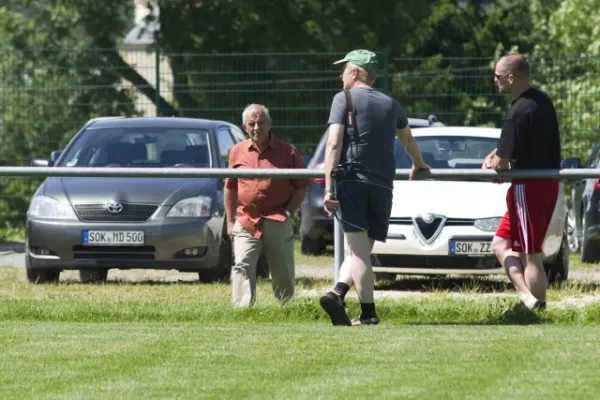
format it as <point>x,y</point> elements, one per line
<point>345,275</point>
<point>511,262</point>
<point>535,275</point>
<point>360,265</point>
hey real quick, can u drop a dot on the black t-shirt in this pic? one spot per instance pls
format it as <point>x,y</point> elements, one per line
<point>530,136</point>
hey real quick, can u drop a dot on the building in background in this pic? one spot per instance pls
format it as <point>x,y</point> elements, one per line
<point>139,50</point>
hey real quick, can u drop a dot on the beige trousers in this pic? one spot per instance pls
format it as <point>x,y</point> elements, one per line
<point>278,242</point>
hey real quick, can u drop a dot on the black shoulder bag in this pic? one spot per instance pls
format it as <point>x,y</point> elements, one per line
<point>347,170</point>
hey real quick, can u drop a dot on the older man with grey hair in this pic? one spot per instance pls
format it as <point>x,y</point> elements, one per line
<point>363,126</point>
<point>259,210</point>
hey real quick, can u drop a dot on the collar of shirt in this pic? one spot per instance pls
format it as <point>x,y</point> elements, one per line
<point>270,144</point>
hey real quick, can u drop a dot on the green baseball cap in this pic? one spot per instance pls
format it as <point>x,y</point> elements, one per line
<point>361,58</point>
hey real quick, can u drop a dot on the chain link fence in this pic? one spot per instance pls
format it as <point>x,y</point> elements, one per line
<point>45,97</point>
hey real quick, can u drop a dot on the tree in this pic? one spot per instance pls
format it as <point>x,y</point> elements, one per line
<point>450,69</point>
<point>53,80</point>
<point>566,65</point>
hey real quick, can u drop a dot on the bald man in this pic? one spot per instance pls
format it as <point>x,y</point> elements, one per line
<point>530,139</point>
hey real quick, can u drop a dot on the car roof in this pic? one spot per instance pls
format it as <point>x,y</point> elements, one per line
<point>472,131</point>
<point>422,123</point>
<point>140,122</point>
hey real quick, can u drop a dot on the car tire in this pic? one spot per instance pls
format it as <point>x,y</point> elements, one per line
<point>310,246</point>
<point>39,275</point>
<point>590,251</point>
<point>573,240</point>
<point>223,270</point>
<point>93,275</point>
<point>558,270</point>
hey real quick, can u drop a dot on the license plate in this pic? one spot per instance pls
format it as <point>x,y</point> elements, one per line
<point>470,247</point>
<point>113,238</point>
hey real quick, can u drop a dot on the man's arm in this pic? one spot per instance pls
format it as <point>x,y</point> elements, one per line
<point>333,152</point>
<point>231,200</point>
<point>410,144</point>
<point>511,140</point>
<point>297,196</point>
<point>499,162</point>
<point>230,194</point>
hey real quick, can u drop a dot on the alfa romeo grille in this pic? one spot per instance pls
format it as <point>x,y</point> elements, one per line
<point>130,212</point>
<point>428,229</point>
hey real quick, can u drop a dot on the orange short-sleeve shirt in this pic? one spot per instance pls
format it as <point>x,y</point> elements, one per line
<point>263,197</point>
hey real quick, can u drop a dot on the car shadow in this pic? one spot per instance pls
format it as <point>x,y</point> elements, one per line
<point>454,284</point>
<point>14,247</point>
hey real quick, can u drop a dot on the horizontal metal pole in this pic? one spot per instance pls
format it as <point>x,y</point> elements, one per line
<point>401,174</point>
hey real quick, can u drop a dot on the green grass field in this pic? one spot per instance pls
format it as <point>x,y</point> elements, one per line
<point>184,340</point>
<point>152,338</point>
<point>51,360</point>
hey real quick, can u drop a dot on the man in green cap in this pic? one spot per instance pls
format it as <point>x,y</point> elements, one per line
<point>360,151</point>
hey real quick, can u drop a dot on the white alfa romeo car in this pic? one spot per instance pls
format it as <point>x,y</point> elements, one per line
<point>446,227</point>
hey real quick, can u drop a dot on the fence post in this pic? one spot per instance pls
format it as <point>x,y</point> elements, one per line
<point>157,78</point>
<point>338,248</point>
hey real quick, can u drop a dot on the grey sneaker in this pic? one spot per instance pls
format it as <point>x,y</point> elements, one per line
<point>334,307</point>
<point>365,321</point>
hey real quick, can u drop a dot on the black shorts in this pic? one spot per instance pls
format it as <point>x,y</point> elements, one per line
<point>365,207</point>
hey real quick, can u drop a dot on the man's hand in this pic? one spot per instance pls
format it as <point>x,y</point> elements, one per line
<point>330,204</point>
<point>230,229</point>
<point>416,168</point>
<point>487,163</point>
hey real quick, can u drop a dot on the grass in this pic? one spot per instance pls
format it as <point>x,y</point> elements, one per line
<point>295,361</point>
<point>154,339</point>
<point>457,301</point>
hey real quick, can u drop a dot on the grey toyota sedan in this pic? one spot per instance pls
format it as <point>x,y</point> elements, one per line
<point>93,224</point>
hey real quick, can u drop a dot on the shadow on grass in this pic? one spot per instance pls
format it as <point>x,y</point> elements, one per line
<point>459,284</point>
<point>302,282</point>
<point>471,284</point>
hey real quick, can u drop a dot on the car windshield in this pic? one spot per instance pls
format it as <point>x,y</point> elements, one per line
<point>438,151</point>
<point>139,147</point>
<point>319,156</point>
<point>448,151</point>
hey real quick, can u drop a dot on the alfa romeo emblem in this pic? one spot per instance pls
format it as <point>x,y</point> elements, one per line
<point>428,217</point>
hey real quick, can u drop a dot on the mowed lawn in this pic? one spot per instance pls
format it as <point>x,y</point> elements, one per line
<point>181,340</point>
<point>54,360</point>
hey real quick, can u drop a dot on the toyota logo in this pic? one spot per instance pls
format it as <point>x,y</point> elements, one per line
<point>114,207</point>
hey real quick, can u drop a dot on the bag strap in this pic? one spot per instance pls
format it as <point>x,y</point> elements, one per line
<point>349,110</point>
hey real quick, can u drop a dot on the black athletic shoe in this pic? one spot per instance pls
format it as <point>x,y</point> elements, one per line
<point>334,307</point>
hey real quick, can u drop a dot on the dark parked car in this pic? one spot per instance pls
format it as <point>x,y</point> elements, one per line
<point>316,229</point>
<point>96,223</point>
<point>584,212</point>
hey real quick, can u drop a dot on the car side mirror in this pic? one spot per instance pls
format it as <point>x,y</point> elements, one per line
<point>41,162</point>
<point>54,156</point>
<point>571,162</point>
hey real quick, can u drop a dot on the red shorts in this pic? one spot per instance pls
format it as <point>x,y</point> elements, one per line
<point>531,204</point>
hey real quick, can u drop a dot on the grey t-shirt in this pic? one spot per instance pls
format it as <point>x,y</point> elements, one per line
<point>377,116</point>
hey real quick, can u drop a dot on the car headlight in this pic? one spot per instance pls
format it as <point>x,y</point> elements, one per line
<point>48,207</point>
<point>488,224</point>
<point>191,207</point>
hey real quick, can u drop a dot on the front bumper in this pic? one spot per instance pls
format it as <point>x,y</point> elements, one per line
<point>405,251</point>
<point>59,245</point>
